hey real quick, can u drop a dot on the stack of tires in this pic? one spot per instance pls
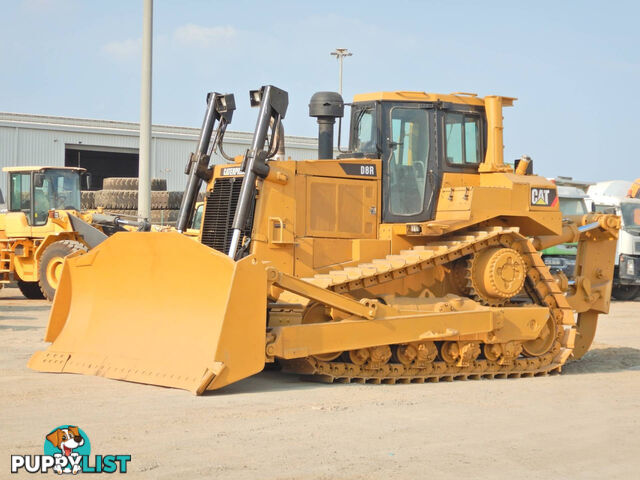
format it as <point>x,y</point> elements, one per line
<point>88,199</point>
<point>120,195</point>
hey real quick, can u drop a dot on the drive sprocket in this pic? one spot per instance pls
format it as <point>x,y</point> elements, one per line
<point>495,274</point>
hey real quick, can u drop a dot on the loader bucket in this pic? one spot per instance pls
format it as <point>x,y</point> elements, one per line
<point>158,308</point>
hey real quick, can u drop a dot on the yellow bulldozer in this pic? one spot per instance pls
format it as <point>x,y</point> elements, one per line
<point>414,256</point>
<point>44,223</point>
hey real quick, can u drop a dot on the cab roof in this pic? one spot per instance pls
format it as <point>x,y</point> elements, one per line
<point>405,96</point>
<point>570,192</point>
<point>39,169</point>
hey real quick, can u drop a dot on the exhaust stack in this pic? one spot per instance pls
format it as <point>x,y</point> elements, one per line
<point>326,107</point>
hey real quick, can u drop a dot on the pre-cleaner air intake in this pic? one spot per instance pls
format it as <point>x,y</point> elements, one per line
<point>326,107</point>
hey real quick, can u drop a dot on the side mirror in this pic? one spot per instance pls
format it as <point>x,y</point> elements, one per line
<point>38,180</point>
<point>87,180</point>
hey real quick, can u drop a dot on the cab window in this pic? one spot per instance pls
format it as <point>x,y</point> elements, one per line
<point>631,216</point>
<point>54,190</point>
<point>365,131</point>
<point>463,145</point>
<point>20,194</point>
<point>197,218</point>
<point>408,160</point>
<point>608,209</point>
<point>62,188</point>
<point>573,206</point>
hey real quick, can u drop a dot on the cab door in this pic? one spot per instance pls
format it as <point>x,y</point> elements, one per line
<point>20,217</point>
<point>410,164</point>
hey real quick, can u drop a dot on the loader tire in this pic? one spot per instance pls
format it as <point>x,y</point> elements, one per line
<point>131,183</point>
<point>159,200</point>
<point>31,290</point>
<point>118,199</point>
<point>88,200</point>
<point>625,293</point>
<point>165,200</point>
<point>128,200</point>
<point>175,198</point>
<point>50,265</point>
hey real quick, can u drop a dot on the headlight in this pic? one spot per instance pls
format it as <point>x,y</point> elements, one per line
<point>631,270</point>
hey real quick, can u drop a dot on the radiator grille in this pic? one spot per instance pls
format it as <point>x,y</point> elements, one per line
<point>220,207</point>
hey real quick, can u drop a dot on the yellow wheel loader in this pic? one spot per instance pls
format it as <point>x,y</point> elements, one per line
<point>412,257</point>
<point>44,224</point>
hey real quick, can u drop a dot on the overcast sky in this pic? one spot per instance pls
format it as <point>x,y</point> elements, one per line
<point>574,66</point>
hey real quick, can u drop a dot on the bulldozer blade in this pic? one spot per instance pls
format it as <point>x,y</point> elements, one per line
<point>586,327</point>
<point>161,309</point>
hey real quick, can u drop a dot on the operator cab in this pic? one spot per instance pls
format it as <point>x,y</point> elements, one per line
<point>36,190</point>
<point>418,136</point>
<point>196,222</point>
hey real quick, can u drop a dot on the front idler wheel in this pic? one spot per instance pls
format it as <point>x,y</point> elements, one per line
<point>544,342</point>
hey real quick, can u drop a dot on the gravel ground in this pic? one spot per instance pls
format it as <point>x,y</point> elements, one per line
<point>582,424</point>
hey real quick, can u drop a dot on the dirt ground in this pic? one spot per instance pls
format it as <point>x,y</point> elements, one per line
<point>582,424</point>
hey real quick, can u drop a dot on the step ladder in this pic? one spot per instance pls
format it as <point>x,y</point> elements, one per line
<point>6,255</point>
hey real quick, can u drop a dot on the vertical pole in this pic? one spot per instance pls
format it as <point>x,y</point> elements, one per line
<point>144,165</point>
<point>340,53</point>
<point>340,88</point>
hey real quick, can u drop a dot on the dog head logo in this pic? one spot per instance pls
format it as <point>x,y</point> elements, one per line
<point>67,450</point>
<point>68,441</point>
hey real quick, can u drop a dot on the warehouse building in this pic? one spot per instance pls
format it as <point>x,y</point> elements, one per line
<point>110,149</point>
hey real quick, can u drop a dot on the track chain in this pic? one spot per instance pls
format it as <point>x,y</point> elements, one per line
<point>540,285</point>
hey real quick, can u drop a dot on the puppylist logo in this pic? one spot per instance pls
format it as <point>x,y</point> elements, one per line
<point>66,450</point>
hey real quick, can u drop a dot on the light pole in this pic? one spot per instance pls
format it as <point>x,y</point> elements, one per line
<point>340,53</point>
<point>144,165</point>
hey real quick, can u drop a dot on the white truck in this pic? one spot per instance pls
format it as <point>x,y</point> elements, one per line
<point>612,197</point>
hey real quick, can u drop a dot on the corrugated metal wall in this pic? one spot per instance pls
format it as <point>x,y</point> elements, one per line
<point>41,140</point>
